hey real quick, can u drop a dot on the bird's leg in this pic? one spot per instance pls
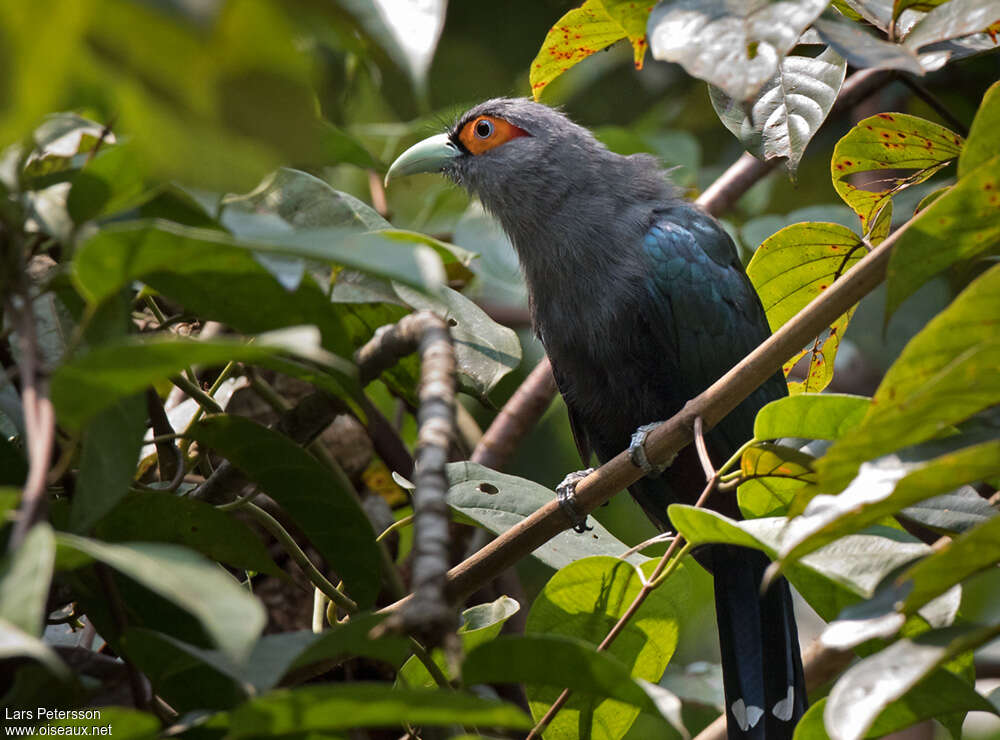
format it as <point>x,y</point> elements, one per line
<point>566,495</point>
<point>637,451</point>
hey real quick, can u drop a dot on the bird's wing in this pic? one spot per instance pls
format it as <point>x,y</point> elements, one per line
<point>706,310</point>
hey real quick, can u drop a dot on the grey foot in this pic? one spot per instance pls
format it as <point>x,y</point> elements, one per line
<point>637,451</point>
<point>566,495</point>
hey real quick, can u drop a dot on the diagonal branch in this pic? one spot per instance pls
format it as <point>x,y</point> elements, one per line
<point>671,436</point>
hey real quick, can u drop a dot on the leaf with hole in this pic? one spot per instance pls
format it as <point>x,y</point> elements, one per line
<point>497,502</point>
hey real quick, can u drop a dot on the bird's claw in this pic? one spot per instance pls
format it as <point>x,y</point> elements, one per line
<point>566,495</point>
<point>637,451</point>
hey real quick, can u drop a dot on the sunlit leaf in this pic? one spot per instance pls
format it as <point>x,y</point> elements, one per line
<point>578,34</point>
<point>868,687</point>
<point>788,110</point>
<point>944,375</point>
<point>736,47</point>
<point>951,20</point>
<point>889,141</point>
<point>951,513</point>
<point>771,476</point>
<point>984,135</point>
<point>959,226</point>
<point>862,49</point>
<point>584,600</point>
<point>793,267</point>
<point>810,415</point>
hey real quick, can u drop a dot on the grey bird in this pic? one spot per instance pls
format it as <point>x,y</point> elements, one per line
<point>641,303</point>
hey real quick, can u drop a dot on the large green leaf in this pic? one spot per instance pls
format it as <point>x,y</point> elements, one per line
<point>882,488</point>
<point>788,110</point>
<point>112,182</point>
<point>584,600</point>
<point>332,707</point>
<point>25,576</point>
<point>793,267</point>
<point>934,697</point>
<point>810,415</point>
<point>944,375</point>
<point>960,225</point>
<point>232,617</point>
<point>312,496</point>
<point>868,687</point>
<point>889,141</point>
<point>736,47</point>
<point>111,443</point>
<point>498,502</point>
<point>153,516</point>
<point>94,381</point>
<point>984,135</point>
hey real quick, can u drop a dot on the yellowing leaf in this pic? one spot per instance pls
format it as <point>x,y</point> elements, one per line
<point>889,141</point>
<point>632,16</point>
<point>578,34</point>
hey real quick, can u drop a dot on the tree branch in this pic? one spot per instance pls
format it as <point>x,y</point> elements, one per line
<point>671,436</point>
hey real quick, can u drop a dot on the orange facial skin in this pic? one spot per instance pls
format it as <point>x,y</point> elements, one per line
<point>484,133</point>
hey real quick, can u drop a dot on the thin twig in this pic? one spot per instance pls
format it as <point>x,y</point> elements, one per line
<point>700,446</point>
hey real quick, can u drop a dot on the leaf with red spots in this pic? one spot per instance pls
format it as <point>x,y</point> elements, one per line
<point>900,150</point>
<point>961,225</point>
<point>788,110</point>
<point>946,373</point>
<point>578,34</point>
<point>632,16</point>
<point>793,267</point>
<point>735,46</point>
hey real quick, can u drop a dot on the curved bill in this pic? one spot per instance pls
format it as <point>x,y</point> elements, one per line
<point>429,155</point>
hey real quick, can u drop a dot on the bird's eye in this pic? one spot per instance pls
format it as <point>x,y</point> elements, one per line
<point>484,128</point>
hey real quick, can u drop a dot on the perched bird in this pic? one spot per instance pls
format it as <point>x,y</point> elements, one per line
<point>641,303</point>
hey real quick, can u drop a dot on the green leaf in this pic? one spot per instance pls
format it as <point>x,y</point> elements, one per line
<point>967,554</point>
<point>898,6</point>
<point>498,502</point>
<point>868,687</point>
<point>959,226</point>
<point>839,575</point>
<point>772,475</point>
<point>313,497</point>
<point>889,141</point>
<point>164,517</point>
<point>331,707</point>
<point>555,661</point>
<point>350,638</point>
<point>574,37</point>
<point>111,443</point>
<point>16,643</point>
<point>793,267</point>
<point>92,382</point>
<point>935,696</point>
<point>944,375</point>
<point>125,724</point>
<point>584,600</point>
<point>480,623</point>
<point>788,110</point>
<point>232,617</point>
<point>112,182</point>
<point>485,351</point>
<point>951,513</point>
<point>25,576</point>
<point>862,49</point>
<point>951,20</point>
<point>882,488</point>
<point>810,415</point>
<point>984,136</point>
<point>735,47</point>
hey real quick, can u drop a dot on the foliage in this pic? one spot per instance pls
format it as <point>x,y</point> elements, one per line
<point>186,241</point>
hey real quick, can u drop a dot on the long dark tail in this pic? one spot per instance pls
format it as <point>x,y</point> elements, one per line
<point>761,664</point>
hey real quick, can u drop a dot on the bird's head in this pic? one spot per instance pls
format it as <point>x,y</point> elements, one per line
<point>506,150</point>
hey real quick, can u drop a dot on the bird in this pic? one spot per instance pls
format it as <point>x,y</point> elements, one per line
<point>641,302</point>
